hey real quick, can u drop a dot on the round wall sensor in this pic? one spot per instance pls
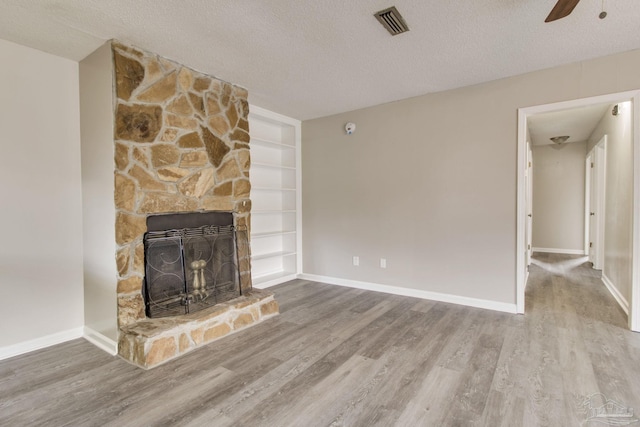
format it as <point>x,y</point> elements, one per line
<point>350,128</point>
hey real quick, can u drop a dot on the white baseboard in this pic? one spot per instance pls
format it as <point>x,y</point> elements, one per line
<point>38,343</point>
<point>616,293</point>
<point>99,340</point>
<point>416,293</point>
<point>560,251</point>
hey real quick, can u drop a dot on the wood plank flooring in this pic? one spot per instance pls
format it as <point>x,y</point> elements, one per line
<point>347,357</point>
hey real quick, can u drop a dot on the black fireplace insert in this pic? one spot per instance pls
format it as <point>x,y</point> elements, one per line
<point>191,262</point>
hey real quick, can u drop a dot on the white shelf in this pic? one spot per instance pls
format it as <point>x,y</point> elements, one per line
<point>271,234</point>
<point>271,255</point>
<point>266,280</point>
<point>272,189</point>
<point>272,166</point>
<point>271,211</point>
<point>271,144</point>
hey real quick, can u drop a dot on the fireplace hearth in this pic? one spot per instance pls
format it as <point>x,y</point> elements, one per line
<point>191,262</point>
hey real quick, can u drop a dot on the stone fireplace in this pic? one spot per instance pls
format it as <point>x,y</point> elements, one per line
<point>181,145</point>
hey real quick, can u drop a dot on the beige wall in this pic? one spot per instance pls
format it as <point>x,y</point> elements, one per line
<point>41,251</point>
<point>618,198</point>
<point>558,196</point>
<point>429,183</point>
<point>96,118</point>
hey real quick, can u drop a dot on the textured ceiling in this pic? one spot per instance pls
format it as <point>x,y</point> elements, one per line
<point>577,123</point>
<point>310,58</point>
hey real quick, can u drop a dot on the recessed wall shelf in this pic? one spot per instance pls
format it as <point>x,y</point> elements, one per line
<point>273,189</point>
<point>272,279</point>
<point>271,165</point>
<point>278,254</point>
<point>275,194</point>
<point>281,145</point>
<point>271,211</point>
<point>271,233</point>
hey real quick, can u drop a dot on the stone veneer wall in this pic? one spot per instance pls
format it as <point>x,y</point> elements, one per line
<point>181,144</point>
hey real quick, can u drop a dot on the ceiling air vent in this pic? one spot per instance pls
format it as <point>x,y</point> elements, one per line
<point>392,20</point>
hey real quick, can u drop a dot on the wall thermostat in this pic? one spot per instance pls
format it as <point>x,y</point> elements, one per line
<point>350,128</point>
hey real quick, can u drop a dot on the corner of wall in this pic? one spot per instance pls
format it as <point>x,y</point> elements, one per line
<point>96,126</point>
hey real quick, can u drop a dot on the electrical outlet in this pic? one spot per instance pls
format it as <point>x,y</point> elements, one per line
<point>356,261</point>
<point>383,263</point>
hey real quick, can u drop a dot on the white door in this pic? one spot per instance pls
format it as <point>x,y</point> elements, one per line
<point>587,206</point>
<point>597,163</point>
<point>592,206</point>
<point>529,202</point>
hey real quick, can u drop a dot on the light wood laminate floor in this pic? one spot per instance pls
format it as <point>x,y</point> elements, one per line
<point>346,357</point>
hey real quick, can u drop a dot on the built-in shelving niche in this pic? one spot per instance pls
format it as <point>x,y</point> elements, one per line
<point>275,196</point>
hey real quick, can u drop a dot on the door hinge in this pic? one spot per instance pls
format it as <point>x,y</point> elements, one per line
<point>591,165</point>
<point>529,164</point>
<point>590,244</point>
<point>528,247</point>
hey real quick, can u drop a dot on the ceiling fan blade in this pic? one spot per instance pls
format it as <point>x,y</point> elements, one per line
<point>561,9</point>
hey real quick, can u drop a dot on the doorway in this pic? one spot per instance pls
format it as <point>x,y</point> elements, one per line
<point>522,250</point>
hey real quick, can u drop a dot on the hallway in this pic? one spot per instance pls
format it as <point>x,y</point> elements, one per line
<point>580,334</point>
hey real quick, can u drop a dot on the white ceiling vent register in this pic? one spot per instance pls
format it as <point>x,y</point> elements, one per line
<point>392,20</point>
